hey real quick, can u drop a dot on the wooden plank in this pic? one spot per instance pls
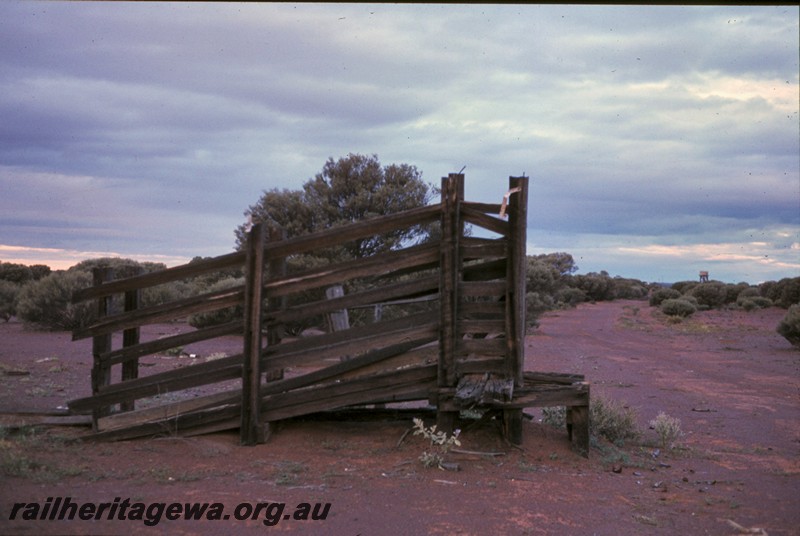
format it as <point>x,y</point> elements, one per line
<point>484,221</point>
<point>532,378</point>
<point>151,347</point>
<point>168,411</point>
<point>383,264</point>
<point>495,326</point>
<point>164,382</point>
<point>474,289</point>
<point>177,426</point>
<point>482,310</point>
<point>130,337</point>
<point>339,394</point>
<point>323,342</point>
<point>340,370</point>
<point>231,260</point>
<point>101,372</point>
<point>547,396</point>
<point>484,347</point>
<point>486,208</point>
<point>405,392</point>
<point>515,300</point>
<point>424,355</point>
<point>15,421</point>
<point>167,311</point>
<point>276,269</point>
<point>384,358</point>
<point>252,430</point>
<point>517,266</point>
<point>348,233</point>
<point>407,289</point>
<point>485,271</point>
<point>493,250</point>
<point>349,347</point>
<point>450,269</point>
<point>474,365</point>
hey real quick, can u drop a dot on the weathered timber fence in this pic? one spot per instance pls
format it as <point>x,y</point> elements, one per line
<point>454,335</point>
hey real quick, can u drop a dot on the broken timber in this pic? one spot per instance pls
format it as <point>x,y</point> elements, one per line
<point>450,332</point>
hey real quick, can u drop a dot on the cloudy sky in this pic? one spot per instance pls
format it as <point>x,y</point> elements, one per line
<point>660,141</point>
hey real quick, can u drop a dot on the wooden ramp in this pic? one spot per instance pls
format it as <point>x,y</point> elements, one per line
<point>448,329</point>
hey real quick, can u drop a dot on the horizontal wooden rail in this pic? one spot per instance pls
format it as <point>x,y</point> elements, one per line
<point>383,264</point>
<point>347,393</point>
<point>346,348</point>
<point>163,382</point>
<point>128,353</point>
<point>482,326</point>
<point>197,422</point>
<point>484,221</point>
<point>176,273</point>
<point>490,249</point>
<point>167,311</point>
<point>407,289</point>
<point>485,271</point>
<point>486,208</point>
<point>479,289</point>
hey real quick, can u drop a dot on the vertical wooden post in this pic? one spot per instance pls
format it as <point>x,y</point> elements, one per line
<point>276,269</point>
<point>130,337</point>
<point>450,273</point>
<point>578,422</point>
<point>252,429</point>
<point>101,344</point>
<point>515,301</point>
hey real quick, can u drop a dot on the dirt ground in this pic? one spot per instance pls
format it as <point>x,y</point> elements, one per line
<point>728,376</point>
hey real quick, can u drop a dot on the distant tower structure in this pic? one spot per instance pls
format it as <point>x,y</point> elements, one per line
<point>704,277</point>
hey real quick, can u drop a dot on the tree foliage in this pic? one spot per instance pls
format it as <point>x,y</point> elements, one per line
<point>21,274</point>
<point>47,303</point>
<point>347,190</point>
<point>8,299</point>
<point>789,326</point>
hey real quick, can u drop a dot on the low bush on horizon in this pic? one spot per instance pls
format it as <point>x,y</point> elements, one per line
<point>678,307</point>
<point>789,326</point>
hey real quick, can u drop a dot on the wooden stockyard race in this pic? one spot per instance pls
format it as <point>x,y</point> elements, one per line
<point>455,339</point>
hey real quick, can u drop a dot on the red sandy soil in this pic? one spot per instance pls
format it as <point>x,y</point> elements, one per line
<point>727,375</point>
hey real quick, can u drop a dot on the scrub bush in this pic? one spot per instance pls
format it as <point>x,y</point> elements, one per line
<point>678,307</point>
<point>47,303</point>
<point>789,326</point>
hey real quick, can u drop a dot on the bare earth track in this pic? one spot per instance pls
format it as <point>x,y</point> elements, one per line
<point>727,375</point>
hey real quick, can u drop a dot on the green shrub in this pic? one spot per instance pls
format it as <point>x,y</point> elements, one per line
<point>790,292</point>
<point>536,303</point>
<point>789,326</point>
<point>598,287</point>
<point>684,286</point>
<point>712,294</point>
<point>753,302</point>
<point>749,292</point>
<point>678,307</point>
<point>47,303</point>
<point>629,289</point>
<point>8,298</point>
<point>571,296</point>
<point>783,293</point>
<point>663,294</point>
